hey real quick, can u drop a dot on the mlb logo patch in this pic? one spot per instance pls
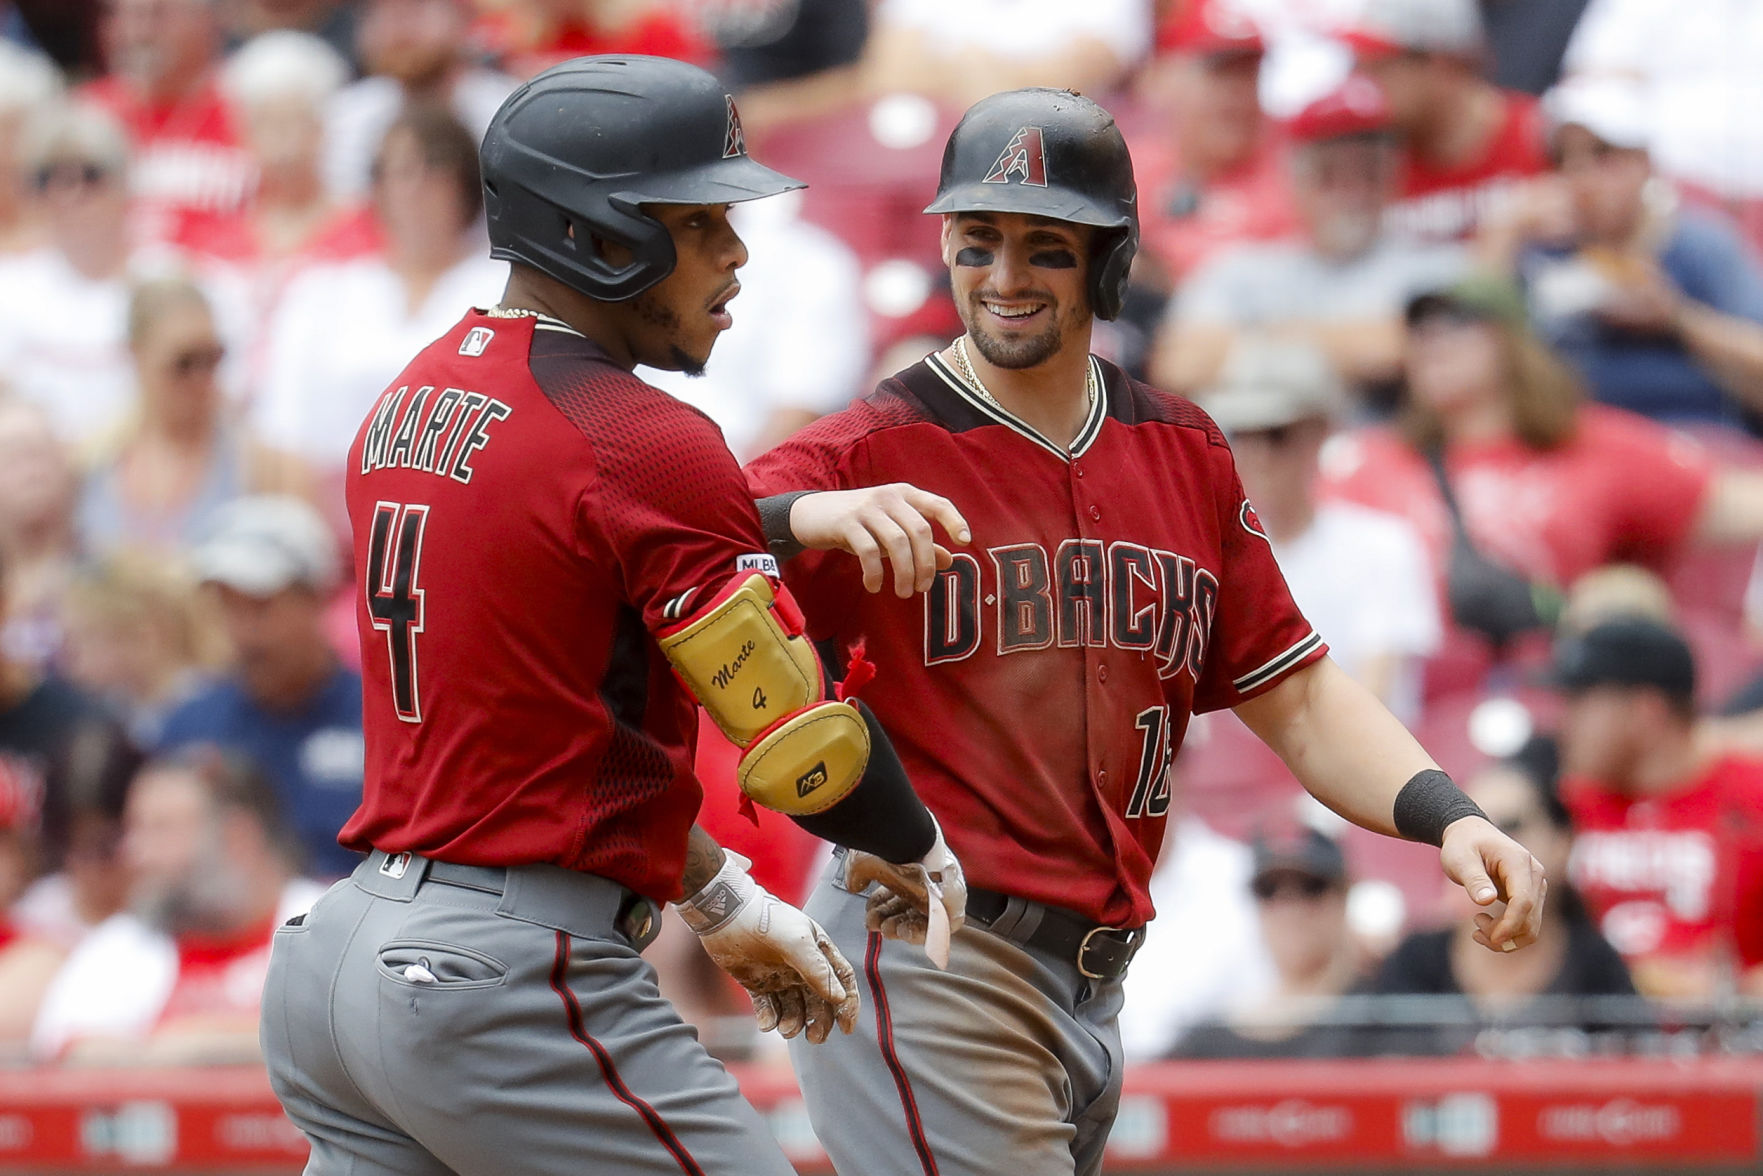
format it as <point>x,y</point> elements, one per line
<point>476,340</point>
<point>395,865</point>
<point>757,562</point>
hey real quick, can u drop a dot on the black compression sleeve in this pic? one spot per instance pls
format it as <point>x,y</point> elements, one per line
<point>774,520</point>
<point>1427,803</point>
<point>882,815</point>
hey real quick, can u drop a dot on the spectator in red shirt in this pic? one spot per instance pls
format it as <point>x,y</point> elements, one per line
<point>1547,486</point>
<point>176,979</point>
<point>1670,849</point>
<point>279,84</point>
<point>28,83</point>
<point>1216,174</point>
<point>532,35</point>
<point>1469,143</point>
<point>162,56</point>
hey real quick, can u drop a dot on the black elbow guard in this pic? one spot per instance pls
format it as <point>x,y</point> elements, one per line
<point>882,814</point>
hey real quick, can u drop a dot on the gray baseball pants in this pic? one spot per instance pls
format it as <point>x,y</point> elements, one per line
<point>1009,1062</point>
<point>493,1024</point>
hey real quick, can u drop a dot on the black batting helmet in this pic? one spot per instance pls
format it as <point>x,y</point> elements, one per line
<point>575,152</point>
<point>1053,153</point>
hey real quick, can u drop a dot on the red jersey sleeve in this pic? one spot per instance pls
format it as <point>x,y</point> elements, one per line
<point>1258,634</point>
<point>1663,481</point>
<point>670,503</point>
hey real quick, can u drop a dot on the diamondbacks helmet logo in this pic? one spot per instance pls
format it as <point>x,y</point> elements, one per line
<point>1023,156</point>
<point>735,141</point>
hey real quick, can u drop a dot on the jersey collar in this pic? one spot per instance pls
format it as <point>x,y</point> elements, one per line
<point>1086,435</point>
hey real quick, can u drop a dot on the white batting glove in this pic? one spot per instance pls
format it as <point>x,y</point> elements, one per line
<point>796,977</point>
<point>917,902</point>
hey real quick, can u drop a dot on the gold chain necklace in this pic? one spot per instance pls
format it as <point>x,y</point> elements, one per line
<point>964,369</point>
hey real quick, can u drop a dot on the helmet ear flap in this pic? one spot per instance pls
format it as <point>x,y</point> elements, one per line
<point>1110,266</point>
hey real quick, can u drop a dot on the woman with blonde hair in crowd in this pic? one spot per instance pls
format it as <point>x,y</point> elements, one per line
<point>39,548</point>
<point>178,457</point>
<point>1518,484</point>
<point>29,82</point>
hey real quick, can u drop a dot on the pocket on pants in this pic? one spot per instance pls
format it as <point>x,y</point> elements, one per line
<point>425,964</point>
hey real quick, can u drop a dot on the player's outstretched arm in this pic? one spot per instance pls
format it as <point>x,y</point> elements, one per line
<point>797,979</point>
<point>896,523</point>
<point>1347,749</point>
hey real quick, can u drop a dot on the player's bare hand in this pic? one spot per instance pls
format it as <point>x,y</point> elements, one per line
<point>797,979</point>
<point>1500,874</point>
<point>896,523</point>
<point>917,902</point>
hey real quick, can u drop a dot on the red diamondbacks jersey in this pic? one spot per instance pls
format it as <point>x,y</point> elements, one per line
<point>524,510</point>
<point>1039,691</point>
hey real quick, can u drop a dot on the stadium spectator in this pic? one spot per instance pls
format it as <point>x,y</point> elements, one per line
<point>29,82</point>
<point>1214,174</point>
<point>332,21</point>
<point>136,640</point>
<point>1537,990</point>
<point>176,978</point>
<point>1201,892</point>
<point>1669,854</point>
<point>161,85</point>
<point>156,482</point>
<point>79,843</point>
<point>1361,576</point>
<point>958,54</point>
<point>528,36</point>
<point>1542,487</point>
<point>800,346</point>
<point>1469,144</point>
<point>38,547</point>
<point>63,306</point>
<point>1300,886</point>
<point>1698,66</point>
<point>280,84</point>
<point>286,705</point>
<point>1340,285</point>
<point>343,330</point>
<point>415,53</point>
<point>1660,308</point>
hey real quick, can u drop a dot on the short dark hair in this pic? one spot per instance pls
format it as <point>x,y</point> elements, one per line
<point>444,143</point>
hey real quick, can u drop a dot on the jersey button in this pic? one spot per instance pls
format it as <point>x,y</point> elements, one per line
<point>1102,778</point>
<point>1101,673</point>
<point>1095,514</point>
<point>1078,470</point>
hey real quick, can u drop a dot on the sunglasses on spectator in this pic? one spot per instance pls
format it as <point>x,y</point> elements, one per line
<point>1513,826</point>
<point>198,360</point>
<point>1278,436</point>
<point>1304,886</point>
<point>72,175</point>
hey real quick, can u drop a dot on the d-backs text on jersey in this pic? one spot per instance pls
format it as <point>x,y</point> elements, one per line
<point>436,434</point>
<point>1087,593</point>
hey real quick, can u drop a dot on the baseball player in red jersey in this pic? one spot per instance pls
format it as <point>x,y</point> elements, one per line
<point>556,562</point>
<point>1117,583</point>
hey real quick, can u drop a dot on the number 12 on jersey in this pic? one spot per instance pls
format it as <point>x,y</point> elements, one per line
<point>1150,793</point>
<point>394,563</point>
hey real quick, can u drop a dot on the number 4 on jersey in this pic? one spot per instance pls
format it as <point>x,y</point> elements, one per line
<point>1150,793</point>
<point>394,561</point>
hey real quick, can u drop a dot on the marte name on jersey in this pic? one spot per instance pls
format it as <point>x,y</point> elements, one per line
<point>1088,592</point>
<point>436,433</point>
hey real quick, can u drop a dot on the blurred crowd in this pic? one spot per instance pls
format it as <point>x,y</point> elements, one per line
<point>1473,287</point>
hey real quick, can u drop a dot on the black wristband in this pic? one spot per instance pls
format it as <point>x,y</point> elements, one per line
<point>1429,802</point>
<point>774,520</point>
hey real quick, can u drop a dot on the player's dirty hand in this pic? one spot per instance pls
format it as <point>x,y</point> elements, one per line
<point>797,979</point>
<point>916,902</point>
<point>1500,874</point>
<point>894,522</point>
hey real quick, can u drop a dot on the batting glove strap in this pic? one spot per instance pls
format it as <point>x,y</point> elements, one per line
<point>722,898</point>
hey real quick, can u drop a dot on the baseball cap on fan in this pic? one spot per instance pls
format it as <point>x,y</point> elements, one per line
<point>1354,108</point>
<point>1385,28</point>
<point>1614,110</point>
<point>263,544</point>
<point>1211,28</point>
<point>1269,384</point>
<point>1302,850</point>
<point>1625,651</point>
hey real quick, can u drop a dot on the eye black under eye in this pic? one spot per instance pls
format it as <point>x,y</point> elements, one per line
<point>1056,258</point>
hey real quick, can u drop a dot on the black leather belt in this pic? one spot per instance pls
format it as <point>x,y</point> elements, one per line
<point>638,919</point>
<point>1100,952</point>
